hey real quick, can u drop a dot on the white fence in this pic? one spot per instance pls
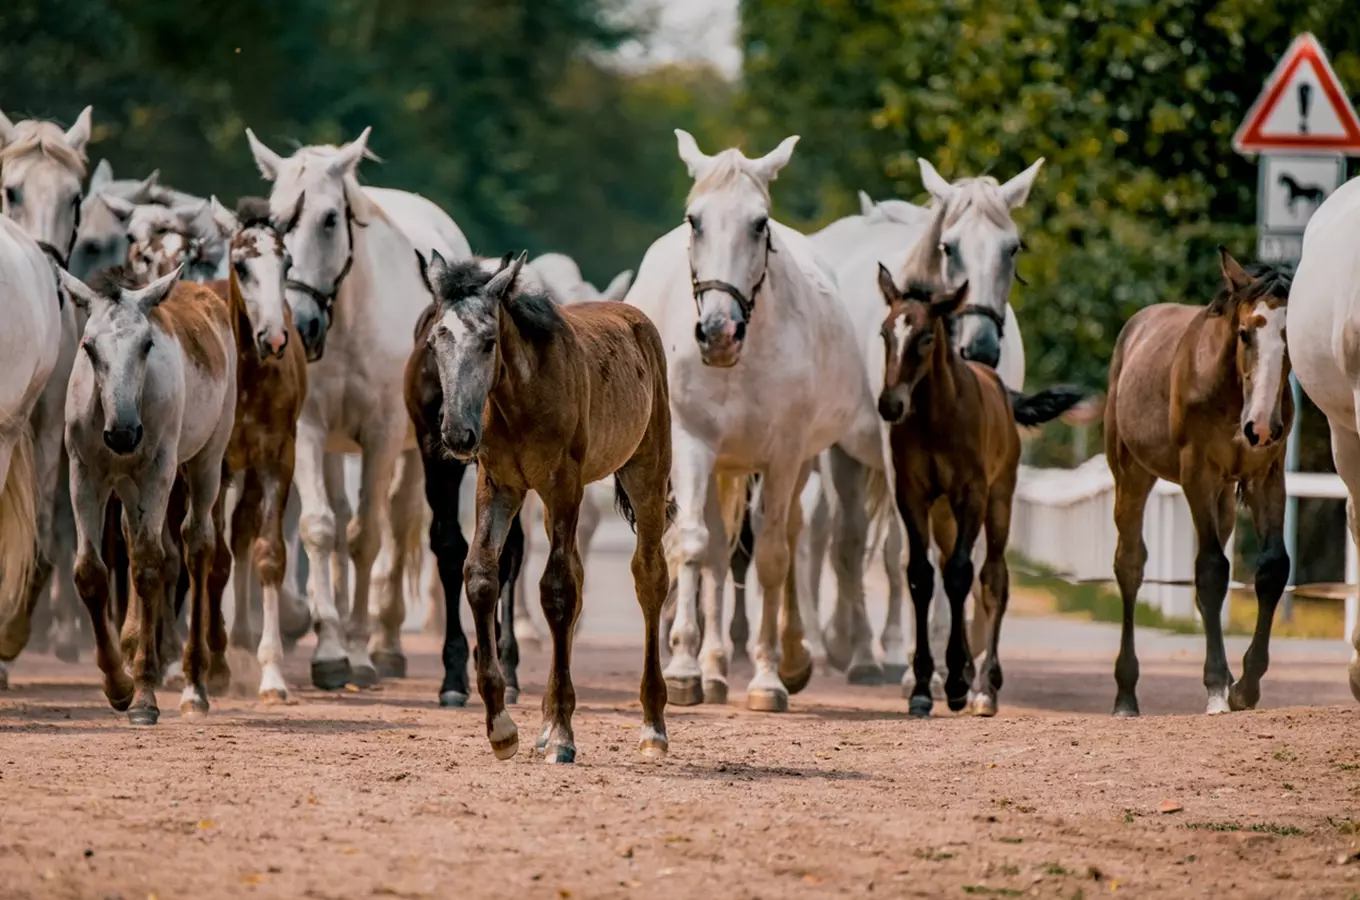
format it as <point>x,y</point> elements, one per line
<point>1064,518</point>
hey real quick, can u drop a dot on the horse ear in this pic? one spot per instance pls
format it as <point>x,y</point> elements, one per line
<point>768,166</point>
<point>887,287</point>
<point>266,160</point>
<point>1233,273</point>
<point>345,161</point>
<point>102,175</point>
<point>191,215</point>
<point>145,191</point>
<point>121,208</point>
<point>6,130</point>
<point>866,204</point>
<point>78,135</point>
<point>694,159</point>
<point>1016,191</point>
<point>934,182</point>
<point>433,270</point>
<point>618,288</point>
<point>502,284</point>
<point>945,304</point>
<point>150,296</point>
<point>79,293</point>
<point>224,219</point>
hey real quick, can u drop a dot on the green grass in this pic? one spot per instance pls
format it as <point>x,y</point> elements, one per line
<point>1259,828</point>
<point>983,890</point>
<point>1098,601</point>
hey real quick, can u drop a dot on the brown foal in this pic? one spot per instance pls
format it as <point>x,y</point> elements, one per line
<point>549,399</point>
<point>955,452</point>
<point>1199,396</point>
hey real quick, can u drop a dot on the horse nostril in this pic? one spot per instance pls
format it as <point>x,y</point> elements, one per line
<point>740,333</point>
<point>699,334</point>
<point>1250,432</point>
<point>1276,432</point>
<point>123,440</point>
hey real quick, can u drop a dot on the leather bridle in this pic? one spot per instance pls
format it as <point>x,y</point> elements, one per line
<point>747,304</point>
<point>324,299</point>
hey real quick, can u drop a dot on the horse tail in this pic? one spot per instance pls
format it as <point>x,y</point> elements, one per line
<point>624,505</point>
<point>18,527</point>
<point>734,500</point>
<point>879,505</point>
<point>1046,405</point>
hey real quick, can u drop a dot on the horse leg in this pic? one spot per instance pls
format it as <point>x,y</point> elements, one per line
<point>1346,455</point>
<point>401,552</point>
<point>967,512</point>
<point>435,620</point>
<point>295,618</point>
<point>993,596</point>
<point>512,561</point>
<point>330,664</point>
<point>712,590</point>
<point>93,584</point>
<point>206,504</point>
<point>892,640</point>
<point>527,632</point>
<point>496,509</point>
<point>219,672</point>
<point>644,481</point>
<point>693,469</point>
<point>783,664</point>
<point>848,553</point>
<point>382,449</point>
<point>145,514</point>
<point>740,563</point>
<point>1265,496</point>
<point>443,484</point>
<point>338,497</point>
<point>560,595</point>
<point>1203,492</point>
<point>1132,485</point>
<point>921,583</point>
<point>586,527</point>
<point>816,539</point>
<point>171,642</point>
<point>67,636</point>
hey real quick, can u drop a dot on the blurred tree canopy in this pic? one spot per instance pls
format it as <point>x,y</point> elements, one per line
<point>503,113</point>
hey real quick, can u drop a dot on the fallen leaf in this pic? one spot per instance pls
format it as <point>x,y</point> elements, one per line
<point>350,851</point>
<point>352,688</point>
<point>206,823</point>
<point>1169,806</point>
<point>252,878</point>
<point>812,879</point>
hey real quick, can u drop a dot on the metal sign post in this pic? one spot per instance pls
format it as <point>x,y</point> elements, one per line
<point>1303,126</point>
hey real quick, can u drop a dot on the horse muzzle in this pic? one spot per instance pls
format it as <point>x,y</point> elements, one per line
<point>1262,434</point>
<point>461,443</point>
<point>892,408</point>
<point>271,346</point>
<point>123,439</point>
<point>720,341</point>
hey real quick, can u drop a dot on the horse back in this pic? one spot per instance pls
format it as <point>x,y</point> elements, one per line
<point>1000,439</point>
<point>198,319</point>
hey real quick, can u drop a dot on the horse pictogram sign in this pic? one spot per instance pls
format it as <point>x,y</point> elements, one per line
<point>1303,108</point>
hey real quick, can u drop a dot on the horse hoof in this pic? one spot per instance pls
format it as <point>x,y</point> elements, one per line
<point>67,653</point>
<point>957,704</point>
<point>1218,703</point>
<point>865,674</point>
<point>389,664</point>
<point>1125,709</point>
<point>120,694</point>
<point>1239,699</point>
<point>715,692</point>
<point>796,682</point>
<point>504,736</point>
<point>330,674</point>
<point>654,743</point>
<point>144,715</point>
<point>456,699</point>
<point>274,697</point>
<point>767,700</point>
<point>511,695</point>
<point>919,707</point>
<point>562,753</point>
<point>982,705</point>
<point>363,676</point>
<point>894,673</point>
<point>193,710</point>
<point>687,691</point>
<point>1353,670</point>
<point>4,677</point>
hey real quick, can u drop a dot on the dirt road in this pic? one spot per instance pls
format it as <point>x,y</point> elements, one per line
<point>380,793</point>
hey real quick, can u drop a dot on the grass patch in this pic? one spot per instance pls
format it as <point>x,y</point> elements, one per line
<point>1056,869</point>
<point>984,891</point>
<point>933,855</point>
<point>1259,828</point>
<point>1348,767</point>
<point>1098,601</point>
<point>1011,840</point>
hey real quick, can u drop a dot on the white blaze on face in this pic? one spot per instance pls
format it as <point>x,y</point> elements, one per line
<point>1266,378</point>
<point>901,333</point>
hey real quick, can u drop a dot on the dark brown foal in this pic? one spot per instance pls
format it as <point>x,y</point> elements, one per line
<point>956,453</point>
<point>550,399</point>
<point>1199,396</point>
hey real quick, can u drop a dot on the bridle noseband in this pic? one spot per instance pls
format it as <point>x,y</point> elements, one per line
<point>324,299</point>
<point>746,304</point>
<point>973,309</point>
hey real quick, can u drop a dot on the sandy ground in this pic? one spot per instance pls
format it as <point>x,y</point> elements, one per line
<point>382,794</point>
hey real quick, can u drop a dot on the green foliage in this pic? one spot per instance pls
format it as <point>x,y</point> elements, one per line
<point>1132,102</point>
<point>502,113</point>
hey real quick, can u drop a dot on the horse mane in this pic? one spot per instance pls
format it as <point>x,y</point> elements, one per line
<point>48,139</point>
<point>1271,280</point>
<point>727,170</point>
<point>253,212</point>
<point>110,281</point>
<point>535,315</point>
<point>983,193</point>
<point>361,207</point>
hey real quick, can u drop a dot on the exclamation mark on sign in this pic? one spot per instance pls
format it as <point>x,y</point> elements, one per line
<point>1305,98</point>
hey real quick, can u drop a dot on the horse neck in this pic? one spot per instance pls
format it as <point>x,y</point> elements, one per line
<point>373,246</point>
<point>1219,379</point>
<point>246,357</point>
<point>521,364</point>
<point>941,395</point>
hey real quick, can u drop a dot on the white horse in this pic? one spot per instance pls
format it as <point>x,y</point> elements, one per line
<point>30,343</point>
<point>356,292</point>
<point>1323,332</point>
<point>764,374</point>
<point>102,236</point>
<point>979,246</point>
<point>42,167</point>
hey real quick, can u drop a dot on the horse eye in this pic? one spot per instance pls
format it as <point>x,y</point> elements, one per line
<point>146,347</point>
<point>759,225</point>
<point>489,345</point>
<point>693,223</point>
<point>330,220</point>
<point>13,196</point>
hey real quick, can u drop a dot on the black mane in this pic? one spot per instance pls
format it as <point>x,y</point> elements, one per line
<point>253,212</point>
<point>535,315</point>
<point>110,281</point>
<point>1267,280</point>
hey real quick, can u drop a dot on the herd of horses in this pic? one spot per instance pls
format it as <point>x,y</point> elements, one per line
<point>169,363</point>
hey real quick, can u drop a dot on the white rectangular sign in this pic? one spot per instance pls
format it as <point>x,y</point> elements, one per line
<point>1293,187</point>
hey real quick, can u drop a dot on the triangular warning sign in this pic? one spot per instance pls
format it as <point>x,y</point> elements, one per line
<point>1303,107</point>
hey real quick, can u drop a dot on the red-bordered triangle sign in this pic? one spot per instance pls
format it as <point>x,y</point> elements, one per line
<point>1303,107</point>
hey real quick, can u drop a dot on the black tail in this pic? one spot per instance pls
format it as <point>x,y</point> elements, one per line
<point>624,505</point>
<point>1046,405</point>
<point>672,507</point>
